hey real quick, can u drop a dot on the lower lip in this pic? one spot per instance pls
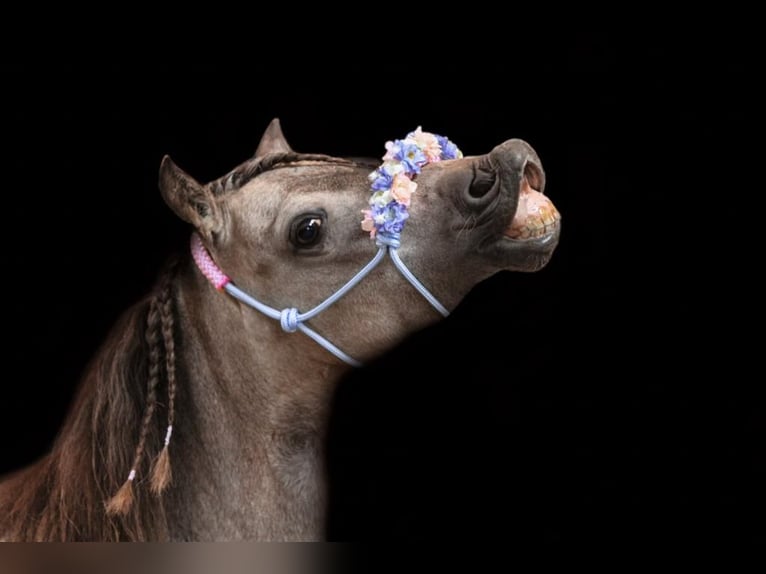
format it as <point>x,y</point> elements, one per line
<point>541,240</point>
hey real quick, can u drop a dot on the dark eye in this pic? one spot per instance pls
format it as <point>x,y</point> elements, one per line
<point>306,231</point>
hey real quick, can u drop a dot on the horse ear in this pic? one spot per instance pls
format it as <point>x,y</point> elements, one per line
<point>273,140</point>
<point>189,200</point>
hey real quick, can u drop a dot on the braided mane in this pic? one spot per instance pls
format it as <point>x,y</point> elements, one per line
<point>111,428</point>
<point>246,171</point>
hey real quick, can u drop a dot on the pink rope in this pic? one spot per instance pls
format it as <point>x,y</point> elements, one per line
<point>206,264</point>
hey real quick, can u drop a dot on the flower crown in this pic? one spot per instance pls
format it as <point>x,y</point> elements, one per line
<point>393,182</point>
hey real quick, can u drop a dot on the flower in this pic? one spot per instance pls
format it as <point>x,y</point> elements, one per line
<point>403,188</point>
<point>428,142</point>
<point>449,150</point>
<point>382,177</point>
<point>392,184</point>
<point>367,223</point>
<point>381,198</point>
<point>408,154</point>
<point>394,215</point>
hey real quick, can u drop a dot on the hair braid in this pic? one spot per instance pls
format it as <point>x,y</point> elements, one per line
<point>122,501</point>
<point>162,474</point>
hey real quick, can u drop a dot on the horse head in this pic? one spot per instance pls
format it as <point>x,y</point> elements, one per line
<point>285,227</point>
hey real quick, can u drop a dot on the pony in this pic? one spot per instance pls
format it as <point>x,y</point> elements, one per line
<point>202,415</point>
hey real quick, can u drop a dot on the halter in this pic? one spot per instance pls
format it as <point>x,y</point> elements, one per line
<point>392,187</point>
<point>293,320</point>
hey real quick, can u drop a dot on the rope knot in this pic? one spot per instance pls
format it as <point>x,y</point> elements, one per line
<point>386,240</point>
<point>288,318</point>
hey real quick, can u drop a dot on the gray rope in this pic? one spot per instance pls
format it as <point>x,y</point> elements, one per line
<point>291,320</point>
<point>363,272</point>
<point>415,283</point>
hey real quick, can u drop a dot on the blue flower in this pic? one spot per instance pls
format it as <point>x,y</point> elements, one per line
<point>396,215</point>
<point>449,150</point>
<point>410,156</point>
<point>381,179</point>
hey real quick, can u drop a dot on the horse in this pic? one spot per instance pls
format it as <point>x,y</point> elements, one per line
<point>300,268</point>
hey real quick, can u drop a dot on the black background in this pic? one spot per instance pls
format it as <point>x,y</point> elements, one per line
<point>611,393</point>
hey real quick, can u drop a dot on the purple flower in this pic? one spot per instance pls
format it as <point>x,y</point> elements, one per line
<point>382,179</point>
<point>449,150</point>
<point>410,155</point>
<point>396,215</point>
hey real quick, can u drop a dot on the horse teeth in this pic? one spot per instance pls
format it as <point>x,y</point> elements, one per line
<point>535,216</point>
<point>535,225</point>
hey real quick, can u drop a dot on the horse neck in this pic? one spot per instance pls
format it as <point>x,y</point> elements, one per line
<point>244,360</point>
<point>253,404</point>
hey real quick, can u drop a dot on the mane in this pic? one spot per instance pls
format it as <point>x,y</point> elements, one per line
<point>63,496</point>
<point>248,170</point>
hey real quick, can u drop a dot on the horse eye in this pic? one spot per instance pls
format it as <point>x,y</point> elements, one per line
<point>307,231</point>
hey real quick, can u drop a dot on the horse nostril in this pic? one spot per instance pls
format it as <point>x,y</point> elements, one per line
<point>534,175</point>
<point>483,181</point>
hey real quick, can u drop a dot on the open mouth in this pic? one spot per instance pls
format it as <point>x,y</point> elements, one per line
<point>536,216</point>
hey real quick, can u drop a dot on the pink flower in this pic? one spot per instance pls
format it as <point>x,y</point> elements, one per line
<point>427,142</point>
<point>403,188</point>
<point>367,223</point>
<point>391,150</point>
